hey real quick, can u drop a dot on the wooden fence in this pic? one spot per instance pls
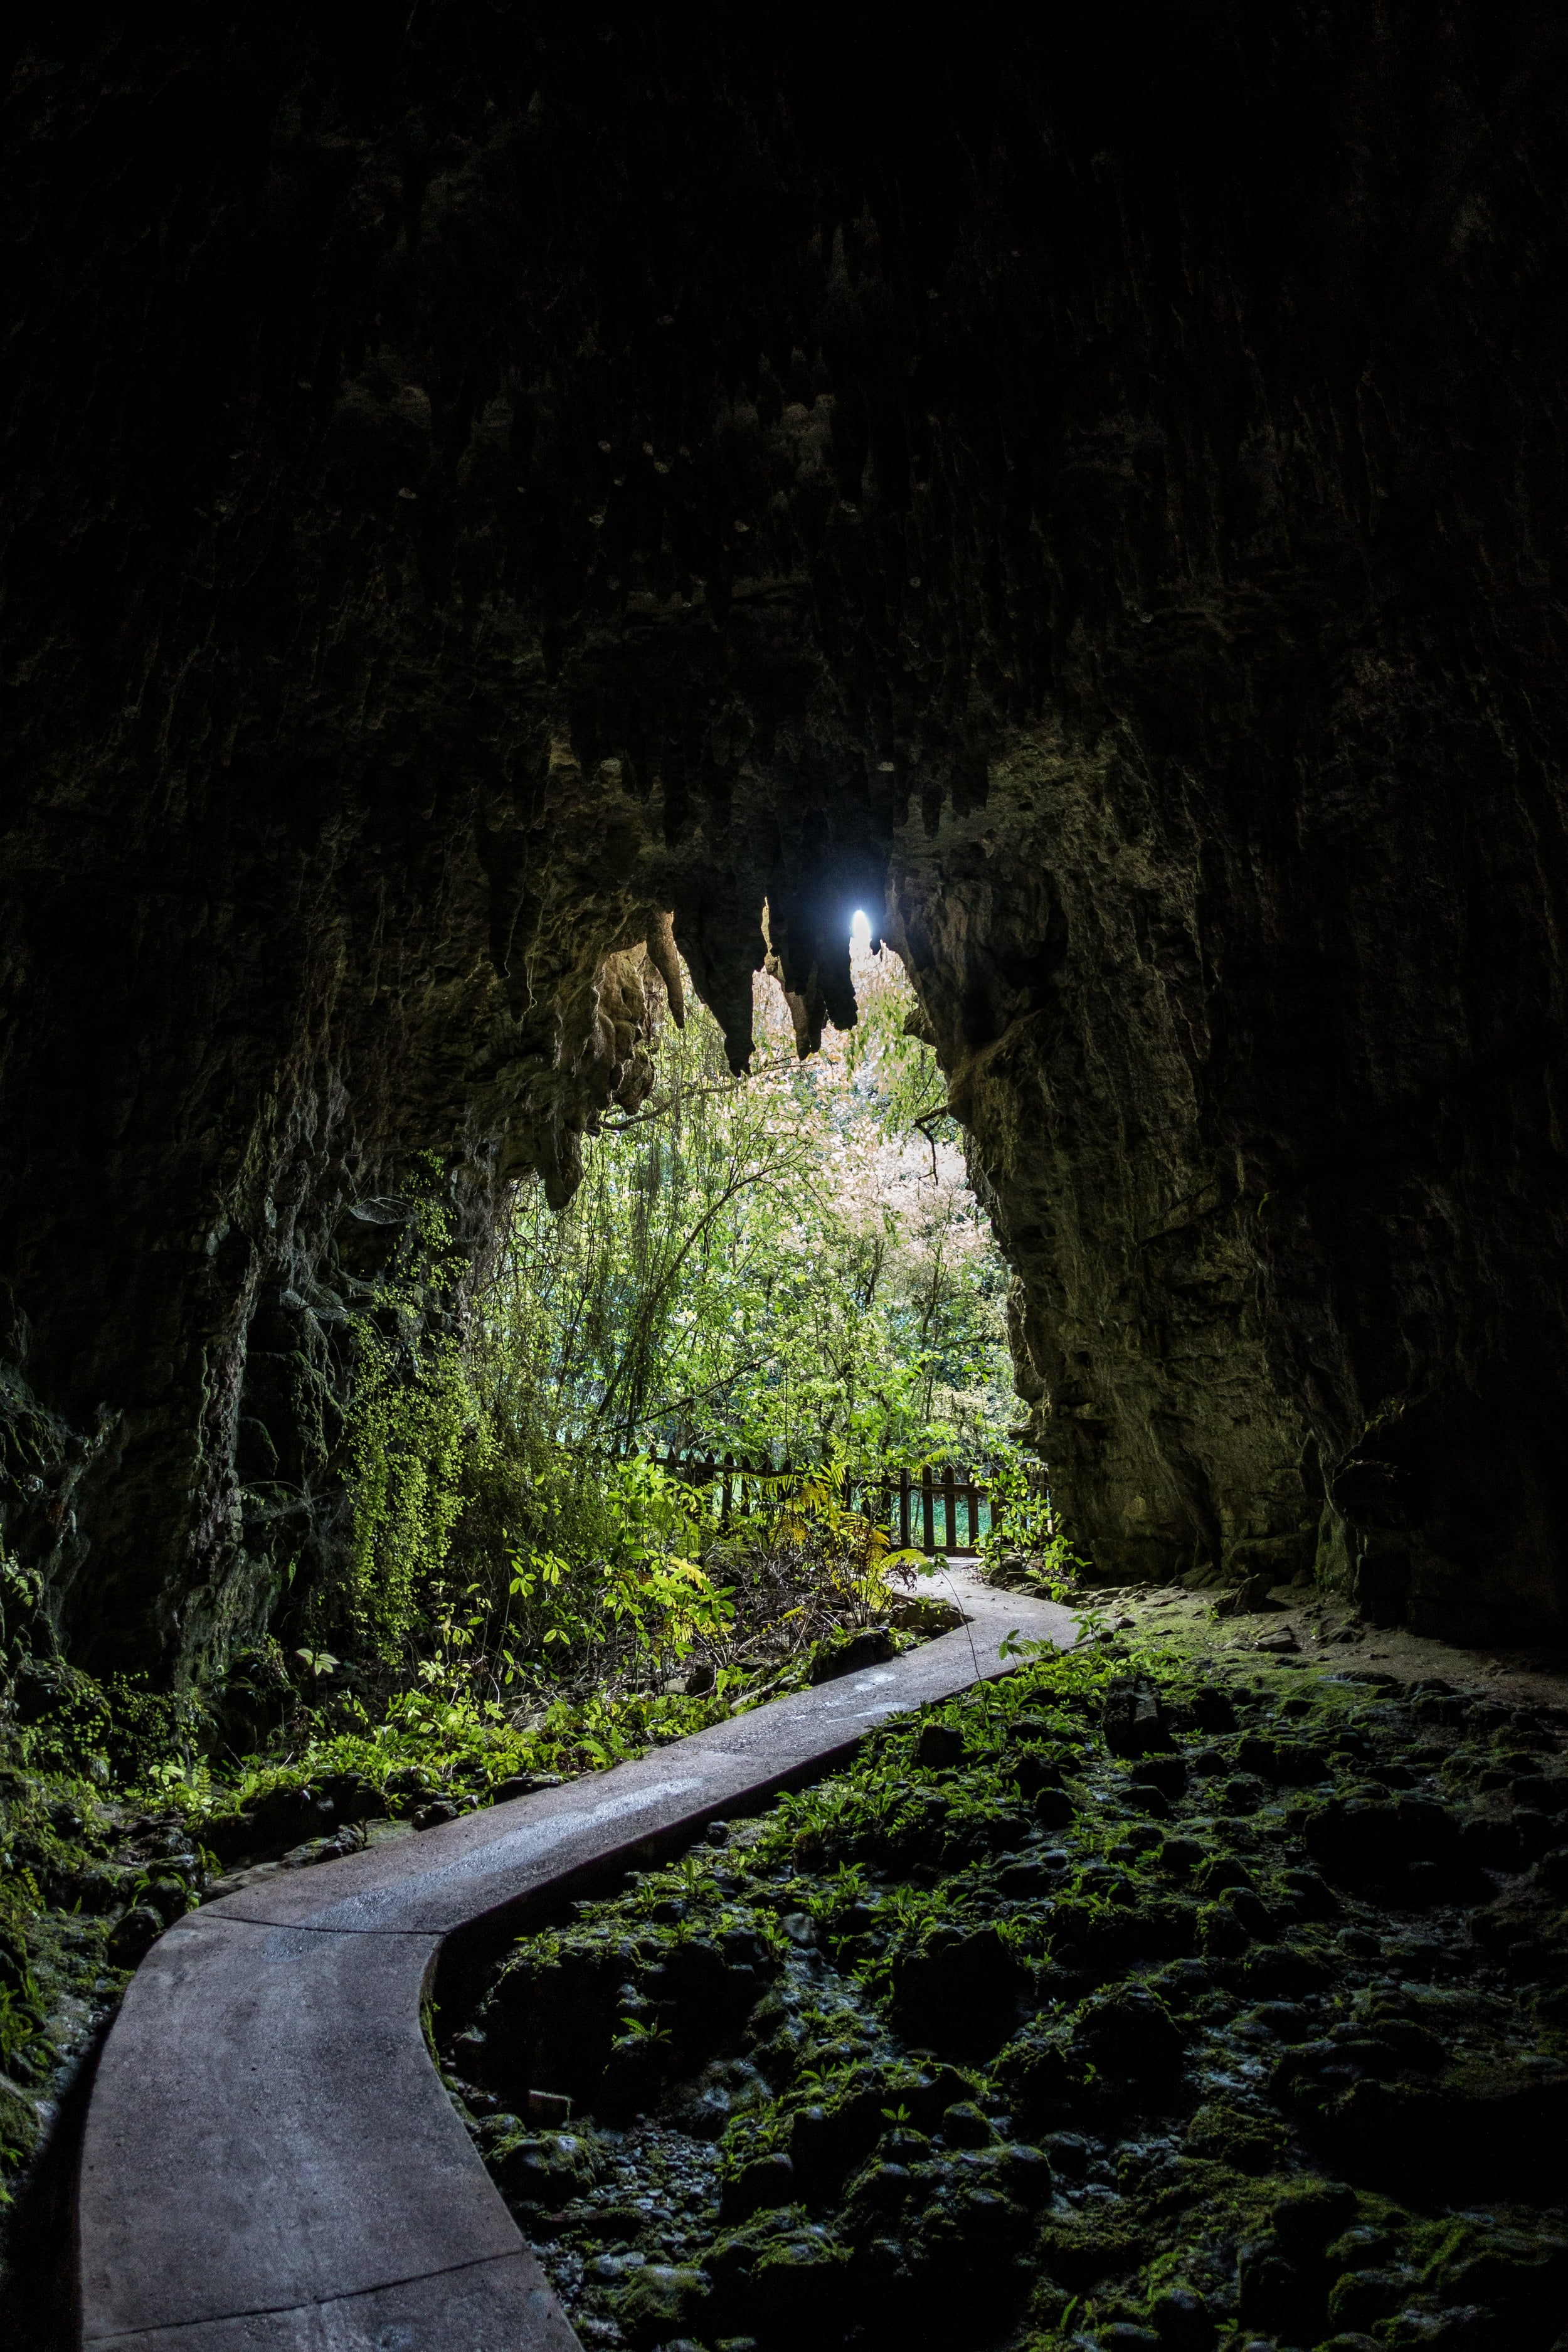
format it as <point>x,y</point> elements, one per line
<point>930,1510</point>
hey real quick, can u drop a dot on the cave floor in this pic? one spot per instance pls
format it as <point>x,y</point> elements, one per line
<point>1327,1631</point>
<point>1013,2035</point>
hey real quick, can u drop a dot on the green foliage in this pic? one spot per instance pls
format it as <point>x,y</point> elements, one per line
<point>778,1264</point>
<point>894,1070</point>
<point>850,1562</point>
<point>775,1266</point>
<point>647,1597</point>
<point>1023,1524</point>
<point>578,1666</point>
<point>121,1731</point>
<point>789,1265</point>
<point>420,1433</point>
<point>22,1617</point>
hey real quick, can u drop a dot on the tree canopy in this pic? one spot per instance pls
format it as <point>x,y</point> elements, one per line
<point>791,1263</point>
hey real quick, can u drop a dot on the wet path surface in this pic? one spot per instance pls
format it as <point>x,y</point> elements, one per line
<point>271,2159</point>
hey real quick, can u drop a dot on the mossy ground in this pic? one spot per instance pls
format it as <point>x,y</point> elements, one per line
<point>86,1883</point>
<point>999,2038</point>
<point>102,1848</point>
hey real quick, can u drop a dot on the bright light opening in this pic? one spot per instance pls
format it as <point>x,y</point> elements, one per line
<point>861,930</point>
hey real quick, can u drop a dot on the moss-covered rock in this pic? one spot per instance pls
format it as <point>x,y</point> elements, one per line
<point>546,2168</point>
<point>1238,2138</point>
<point>660,2300</point>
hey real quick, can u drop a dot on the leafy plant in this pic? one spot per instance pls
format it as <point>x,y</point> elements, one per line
<point>640,2033</point>
<point>419,1432</point>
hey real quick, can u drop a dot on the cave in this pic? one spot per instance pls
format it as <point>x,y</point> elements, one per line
<point>504,499</point>
<point>489,488</point>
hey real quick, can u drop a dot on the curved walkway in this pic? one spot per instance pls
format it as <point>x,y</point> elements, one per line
<point>271,2164</point>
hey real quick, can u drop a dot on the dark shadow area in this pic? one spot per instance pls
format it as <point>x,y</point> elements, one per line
<point>39,2304</point>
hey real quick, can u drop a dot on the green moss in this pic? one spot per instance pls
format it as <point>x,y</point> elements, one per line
<point>660,2301</point>
<point>857,1893</point>
<point>1077,2250</point>
<point>1232,2136</point>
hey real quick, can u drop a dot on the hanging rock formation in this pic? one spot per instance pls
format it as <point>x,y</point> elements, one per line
<point>482,483</point>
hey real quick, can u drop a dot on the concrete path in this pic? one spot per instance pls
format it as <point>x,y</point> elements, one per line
<point>271,2161</point>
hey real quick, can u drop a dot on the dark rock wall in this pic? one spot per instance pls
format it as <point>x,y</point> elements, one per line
<point>1059,940</point>
<point>480,481</point>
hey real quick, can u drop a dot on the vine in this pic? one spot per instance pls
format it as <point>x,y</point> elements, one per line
<point>419,1432</point>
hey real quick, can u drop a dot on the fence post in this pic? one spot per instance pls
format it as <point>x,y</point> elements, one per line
<point>903,1510</point>
<point>950,1508</point>
<point>928,1511</point>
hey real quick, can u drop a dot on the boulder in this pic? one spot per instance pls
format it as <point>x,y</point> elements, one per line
<point>796,2280</point>
<point>1273,2291</point>
<point>1166,1772</point>
<point>958,1992</point>
<point>939,1745</point>
<point>1182,2320</point>
<point>1129,2037</point>
<point>658,2302</point>
<point>546,2168</point>
<point>1310,2213</point>
<point>1240,2137</point>
<point>767,2181</point>
<point>850,1654</point>
<point>1132,1722</point>
<point>1358,2299</point>
<point>133,1935</point>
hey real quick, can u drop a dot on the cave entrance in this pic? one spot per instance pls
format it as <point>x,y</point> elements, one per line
<point>789,1265</point>
<point>733,1403</point>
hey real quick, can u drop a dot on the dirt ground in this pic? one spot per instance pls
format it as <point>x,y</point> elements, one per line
<point>1303,1626</point>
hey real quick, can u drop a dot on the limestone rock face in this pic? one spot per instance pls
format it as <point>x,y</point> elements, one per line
<point>1078,1047</point>
<point>490,502</point>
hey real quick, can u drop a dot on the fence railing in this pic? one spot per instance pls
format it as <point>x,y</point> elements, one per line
<point>946,1508</point>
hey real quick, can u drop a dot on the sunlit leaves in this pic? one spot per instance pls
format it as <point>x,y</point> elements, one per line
<point>780,1264</point>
